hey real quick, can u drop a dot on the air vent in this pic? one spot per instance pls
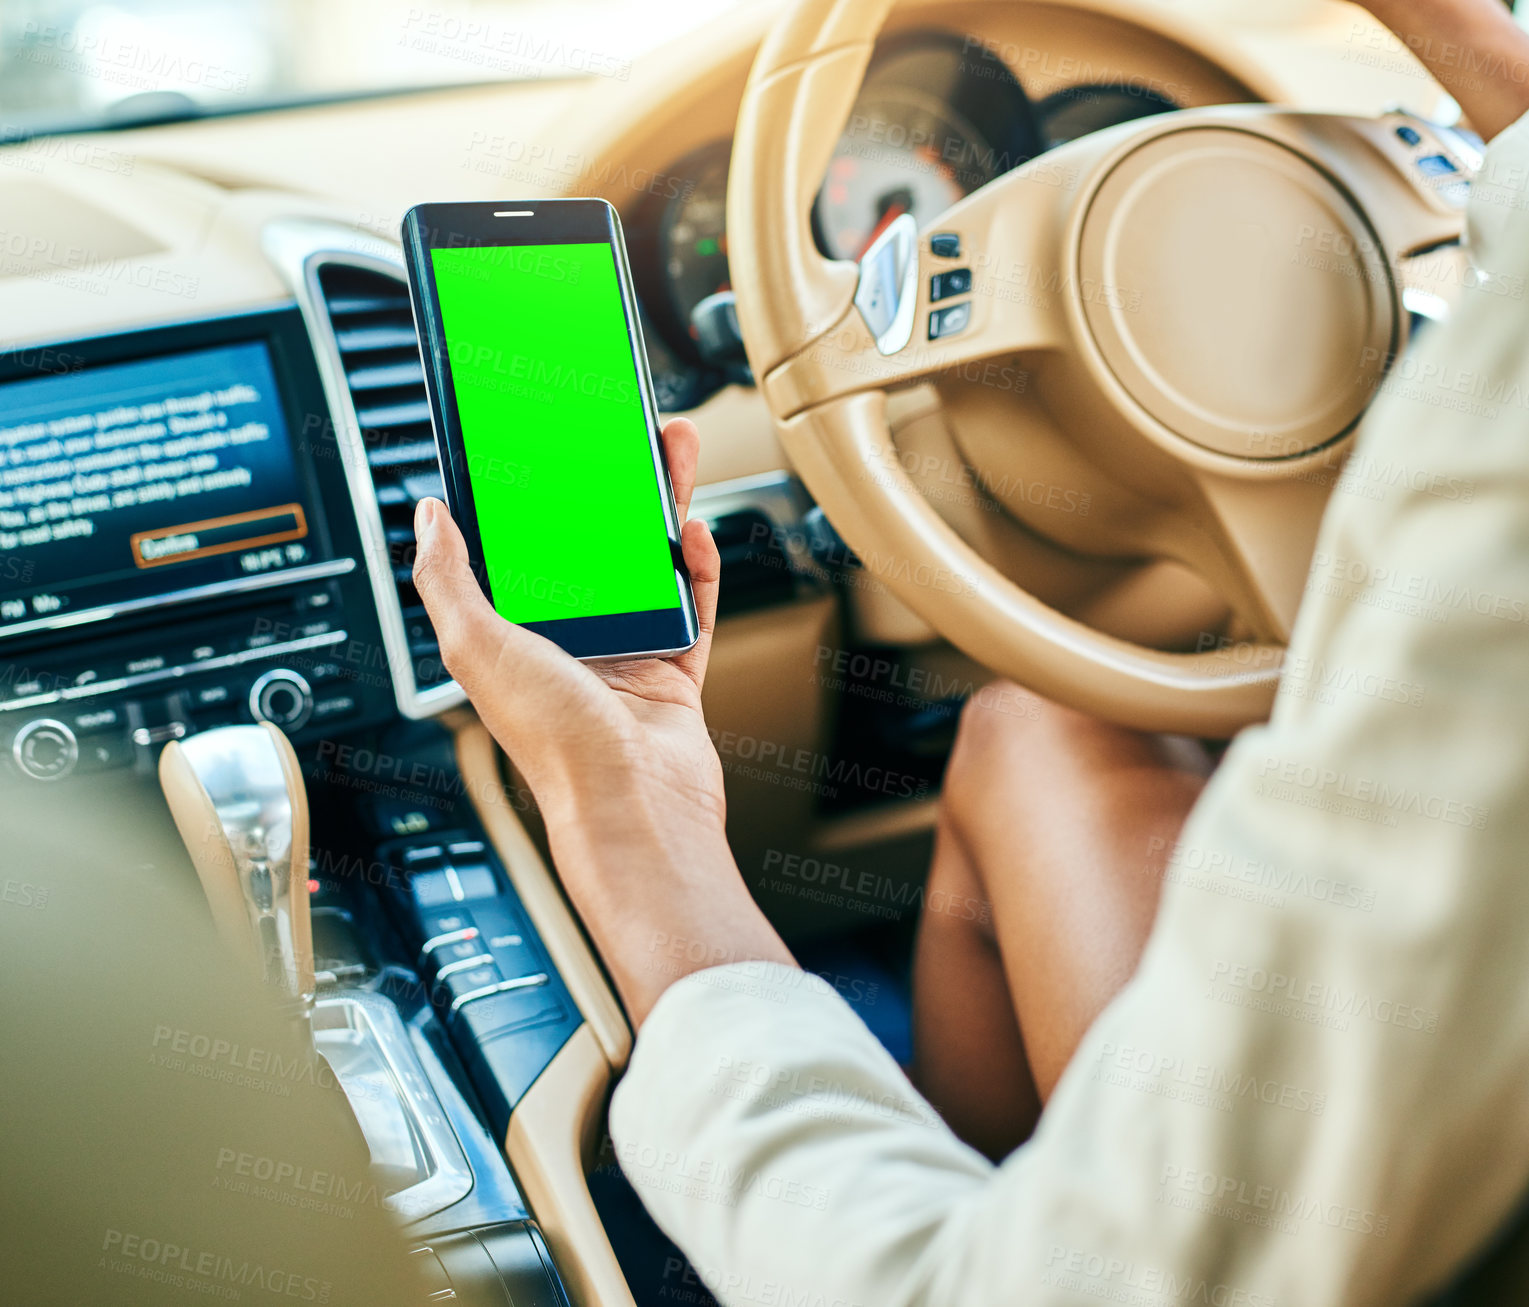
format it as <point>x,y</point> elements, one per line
<point>379,353</point>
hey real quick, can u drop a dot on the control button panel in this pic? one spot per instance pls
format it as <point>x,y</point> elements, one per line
<point>1437,165</point>
<point>286,659</point>
<point>508,939</point>
<point>489,978</point>
<point>1443,160</point>
<point>216,697</point>
<point>97,719</point>
<point>335,708</point>
<point>463,984</point>
<point>100,753</point>
<point>445,926</point>
<point>452,884</point>
<point>466,959</point>
<point>451,945</point>
<point>511,1005</point>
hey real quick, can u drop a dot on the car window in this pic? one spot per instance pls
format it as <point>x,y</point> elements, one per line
<point>70,64</point>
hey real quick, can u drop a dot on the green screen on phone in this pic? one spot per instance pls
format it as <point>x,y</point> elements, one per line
<point>558,453</point>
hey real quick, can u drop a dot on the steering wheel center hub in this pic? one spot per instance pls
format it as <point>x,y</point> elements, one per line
<point>1235,293</point>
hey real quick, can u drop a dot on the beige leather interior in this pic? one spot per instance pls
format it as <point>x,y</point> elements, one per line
<point>111,1134</point>
<point>552,1145</point>
<point>1108,493</point>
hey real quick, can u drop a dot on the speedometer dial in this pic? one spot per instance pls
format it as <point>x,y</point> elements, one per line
<point>934,122</point>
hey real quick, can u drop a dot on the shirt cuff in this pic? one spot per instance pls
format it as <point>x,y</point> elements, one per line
<point>752,1030</point>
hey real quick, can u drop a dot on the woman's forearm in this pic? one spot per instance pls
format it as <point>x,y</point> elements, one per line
<point>1473,48</point>
<point>661,896</point>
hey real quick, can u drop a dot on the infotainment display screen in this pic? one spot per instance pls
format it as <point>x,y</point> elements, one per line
<point>132,481</point>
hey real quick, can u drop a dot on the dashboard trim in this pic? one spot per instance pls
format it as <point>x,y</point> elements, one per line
<point>74,692</point>
<point>777,489</point>
<point>268,580</point>
<point>24,345</point>
<point>779,496</point>
<point>299,247</point>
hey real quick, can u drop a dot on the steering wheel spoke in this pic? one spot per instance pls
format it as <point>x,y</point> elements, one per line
<point>1255,543</point>
<point>979,287</point>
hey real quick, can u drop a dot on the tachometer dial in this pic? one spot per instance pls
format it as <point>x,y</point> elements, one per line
<point>1076,111</point>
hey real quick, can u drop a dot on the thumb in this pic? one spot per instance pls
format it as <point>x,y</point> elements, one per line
<point>470,632</point>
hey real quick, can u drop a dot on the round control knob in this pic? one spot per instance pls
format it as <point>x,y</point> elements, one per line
<point>45,750</point>
<point>283,698</point>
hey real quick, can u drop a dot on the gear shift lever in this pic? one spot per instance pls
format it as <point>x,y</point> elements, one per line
<point>237,797</point>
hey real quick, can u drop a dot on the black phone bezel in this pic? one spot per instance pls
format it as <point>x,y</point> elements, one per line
<point>652,633</point>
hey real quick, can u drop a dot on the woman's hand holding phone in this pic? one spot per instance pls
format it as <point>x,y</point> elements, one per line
<point>618,758</point>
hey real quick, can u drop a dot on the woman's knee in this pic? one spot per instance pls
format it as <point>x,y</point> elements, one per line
<point>1009,737</point>
<point>1029,776</point>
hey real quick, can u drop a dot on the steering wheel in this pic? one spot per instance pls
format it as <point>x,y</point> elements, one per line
<point>1206,302</point>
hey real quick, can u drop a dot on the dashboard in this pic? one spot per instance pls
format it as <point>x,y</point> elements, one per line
<point>192,537</point>
<point>938,117</point>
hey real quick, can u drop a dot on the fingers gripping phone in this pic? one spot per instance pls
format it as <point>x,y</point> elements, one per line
<point>546,424</point>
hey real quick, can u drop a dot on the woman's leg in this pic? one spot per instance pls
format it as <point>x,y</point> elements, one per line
<point>1054,834</point>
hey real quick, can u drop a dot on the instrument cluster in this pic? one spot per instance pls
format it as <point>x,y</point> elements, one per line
<point>937,118</point>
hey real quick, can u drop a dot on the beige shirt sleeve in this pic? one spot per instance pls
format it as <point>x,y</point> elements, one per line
<point>1313,1091</point>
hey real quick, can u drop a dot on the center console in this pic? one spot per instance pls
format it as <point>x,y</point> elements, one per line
<point>179,551</point>
<point>425,936</point>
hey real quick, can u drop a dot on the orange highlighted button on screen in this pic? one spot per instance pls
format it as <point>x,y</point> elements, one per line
<point>219,535</point>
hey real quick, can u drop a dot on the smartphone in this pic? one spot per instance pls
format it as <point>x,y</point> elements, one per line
<point>546,424</point>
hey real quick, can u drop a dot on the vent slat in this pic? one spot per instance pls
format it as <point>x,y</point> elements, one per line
<point>423,485</point>
<point>388,417</point>
<point>414,451</point>
<point>362,340</point>
<point>374,332</point>
<point>355,306</point>
<point>385,376</point>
